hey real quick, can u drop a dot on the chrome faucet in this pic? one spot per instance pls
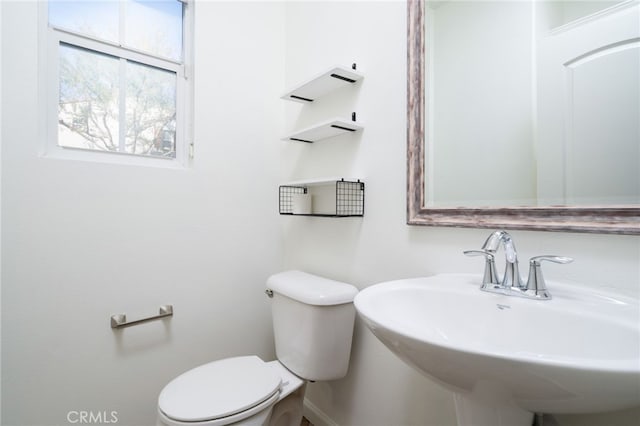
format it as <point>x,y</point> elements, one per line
<point>512,284</point>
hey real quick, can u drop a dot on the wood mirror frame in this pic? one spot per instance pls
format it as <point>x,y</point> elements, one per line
<point>593,219</point>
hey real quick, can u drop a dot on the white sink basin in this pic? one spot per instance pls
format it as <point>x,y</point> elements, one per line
<point>576,353</point>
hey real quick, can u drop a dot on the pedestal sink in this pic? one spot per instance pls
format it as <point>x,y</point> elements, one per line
<point>506,358</point>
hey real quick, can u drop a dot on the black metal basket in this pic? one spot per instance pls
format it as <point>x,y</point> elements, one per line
<point>349,199</point>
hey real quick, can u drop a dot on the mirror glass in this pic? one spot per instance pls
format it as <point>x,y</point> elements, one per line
<point>531,103</point>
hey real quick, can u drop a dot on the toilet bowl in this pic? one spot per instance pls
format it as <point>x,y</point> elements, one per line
<point>242,391</point>
<point>313,321</point>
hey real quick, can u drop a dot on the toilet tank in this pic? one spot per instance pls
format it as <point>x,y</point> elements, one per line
<point>313,321</point>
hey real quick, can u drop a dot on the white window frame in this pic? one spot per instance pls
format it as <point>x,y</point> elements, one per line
<point>49,41</point>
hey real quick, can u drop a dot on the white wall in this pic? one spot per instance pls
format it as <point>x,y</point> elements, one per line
<point>82,241</point>
<point>379,389</point>
<point>208,247</point>
<point>1,97</point>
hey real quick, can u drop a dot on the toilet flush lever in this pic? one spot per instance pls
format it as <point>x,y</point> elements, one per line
<point>269,293</point>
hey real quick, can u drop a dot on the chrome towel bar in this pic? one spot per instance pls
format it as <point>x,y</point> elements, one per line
<point>120,320</point>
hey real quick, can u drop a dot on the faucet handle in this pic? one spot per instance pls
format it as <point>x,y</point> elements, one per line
<point>536,285</point>
<point>490,275</point>
<point>550,258</point>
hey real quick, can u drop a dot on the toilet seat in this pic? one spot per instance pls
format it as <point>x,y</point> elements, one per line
<point>228,389</point>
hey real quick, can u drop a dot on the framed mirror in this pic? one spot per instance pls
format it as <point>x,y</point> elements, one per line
<point>473,162</point>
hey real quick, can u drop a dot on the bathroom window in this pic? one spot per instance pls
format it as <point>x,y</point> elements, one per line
<point>116,80</point>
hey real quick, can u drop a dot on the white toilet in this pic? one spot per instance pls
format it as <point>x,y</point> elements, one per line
<point>313,326</point>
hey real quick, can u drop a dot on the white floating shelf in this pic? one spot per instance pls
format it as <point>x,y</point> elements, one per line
<point>319,181</point>
<point>322,84</point>
<point>326,130</point>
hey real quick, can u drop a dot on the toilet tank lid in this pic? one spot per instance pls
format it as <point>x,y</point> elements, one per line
<point>311,289</point>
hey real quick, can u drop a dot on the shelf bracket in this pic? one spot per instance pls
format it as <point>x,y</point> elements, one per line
<point>343,78</point>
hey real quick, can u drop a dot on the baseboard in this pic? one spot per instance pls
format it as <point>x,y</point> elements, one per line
<point>316,416</point>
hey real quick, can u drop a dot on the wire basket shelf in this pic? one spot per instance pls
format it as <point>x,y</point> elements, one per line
<point>349,199</point>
